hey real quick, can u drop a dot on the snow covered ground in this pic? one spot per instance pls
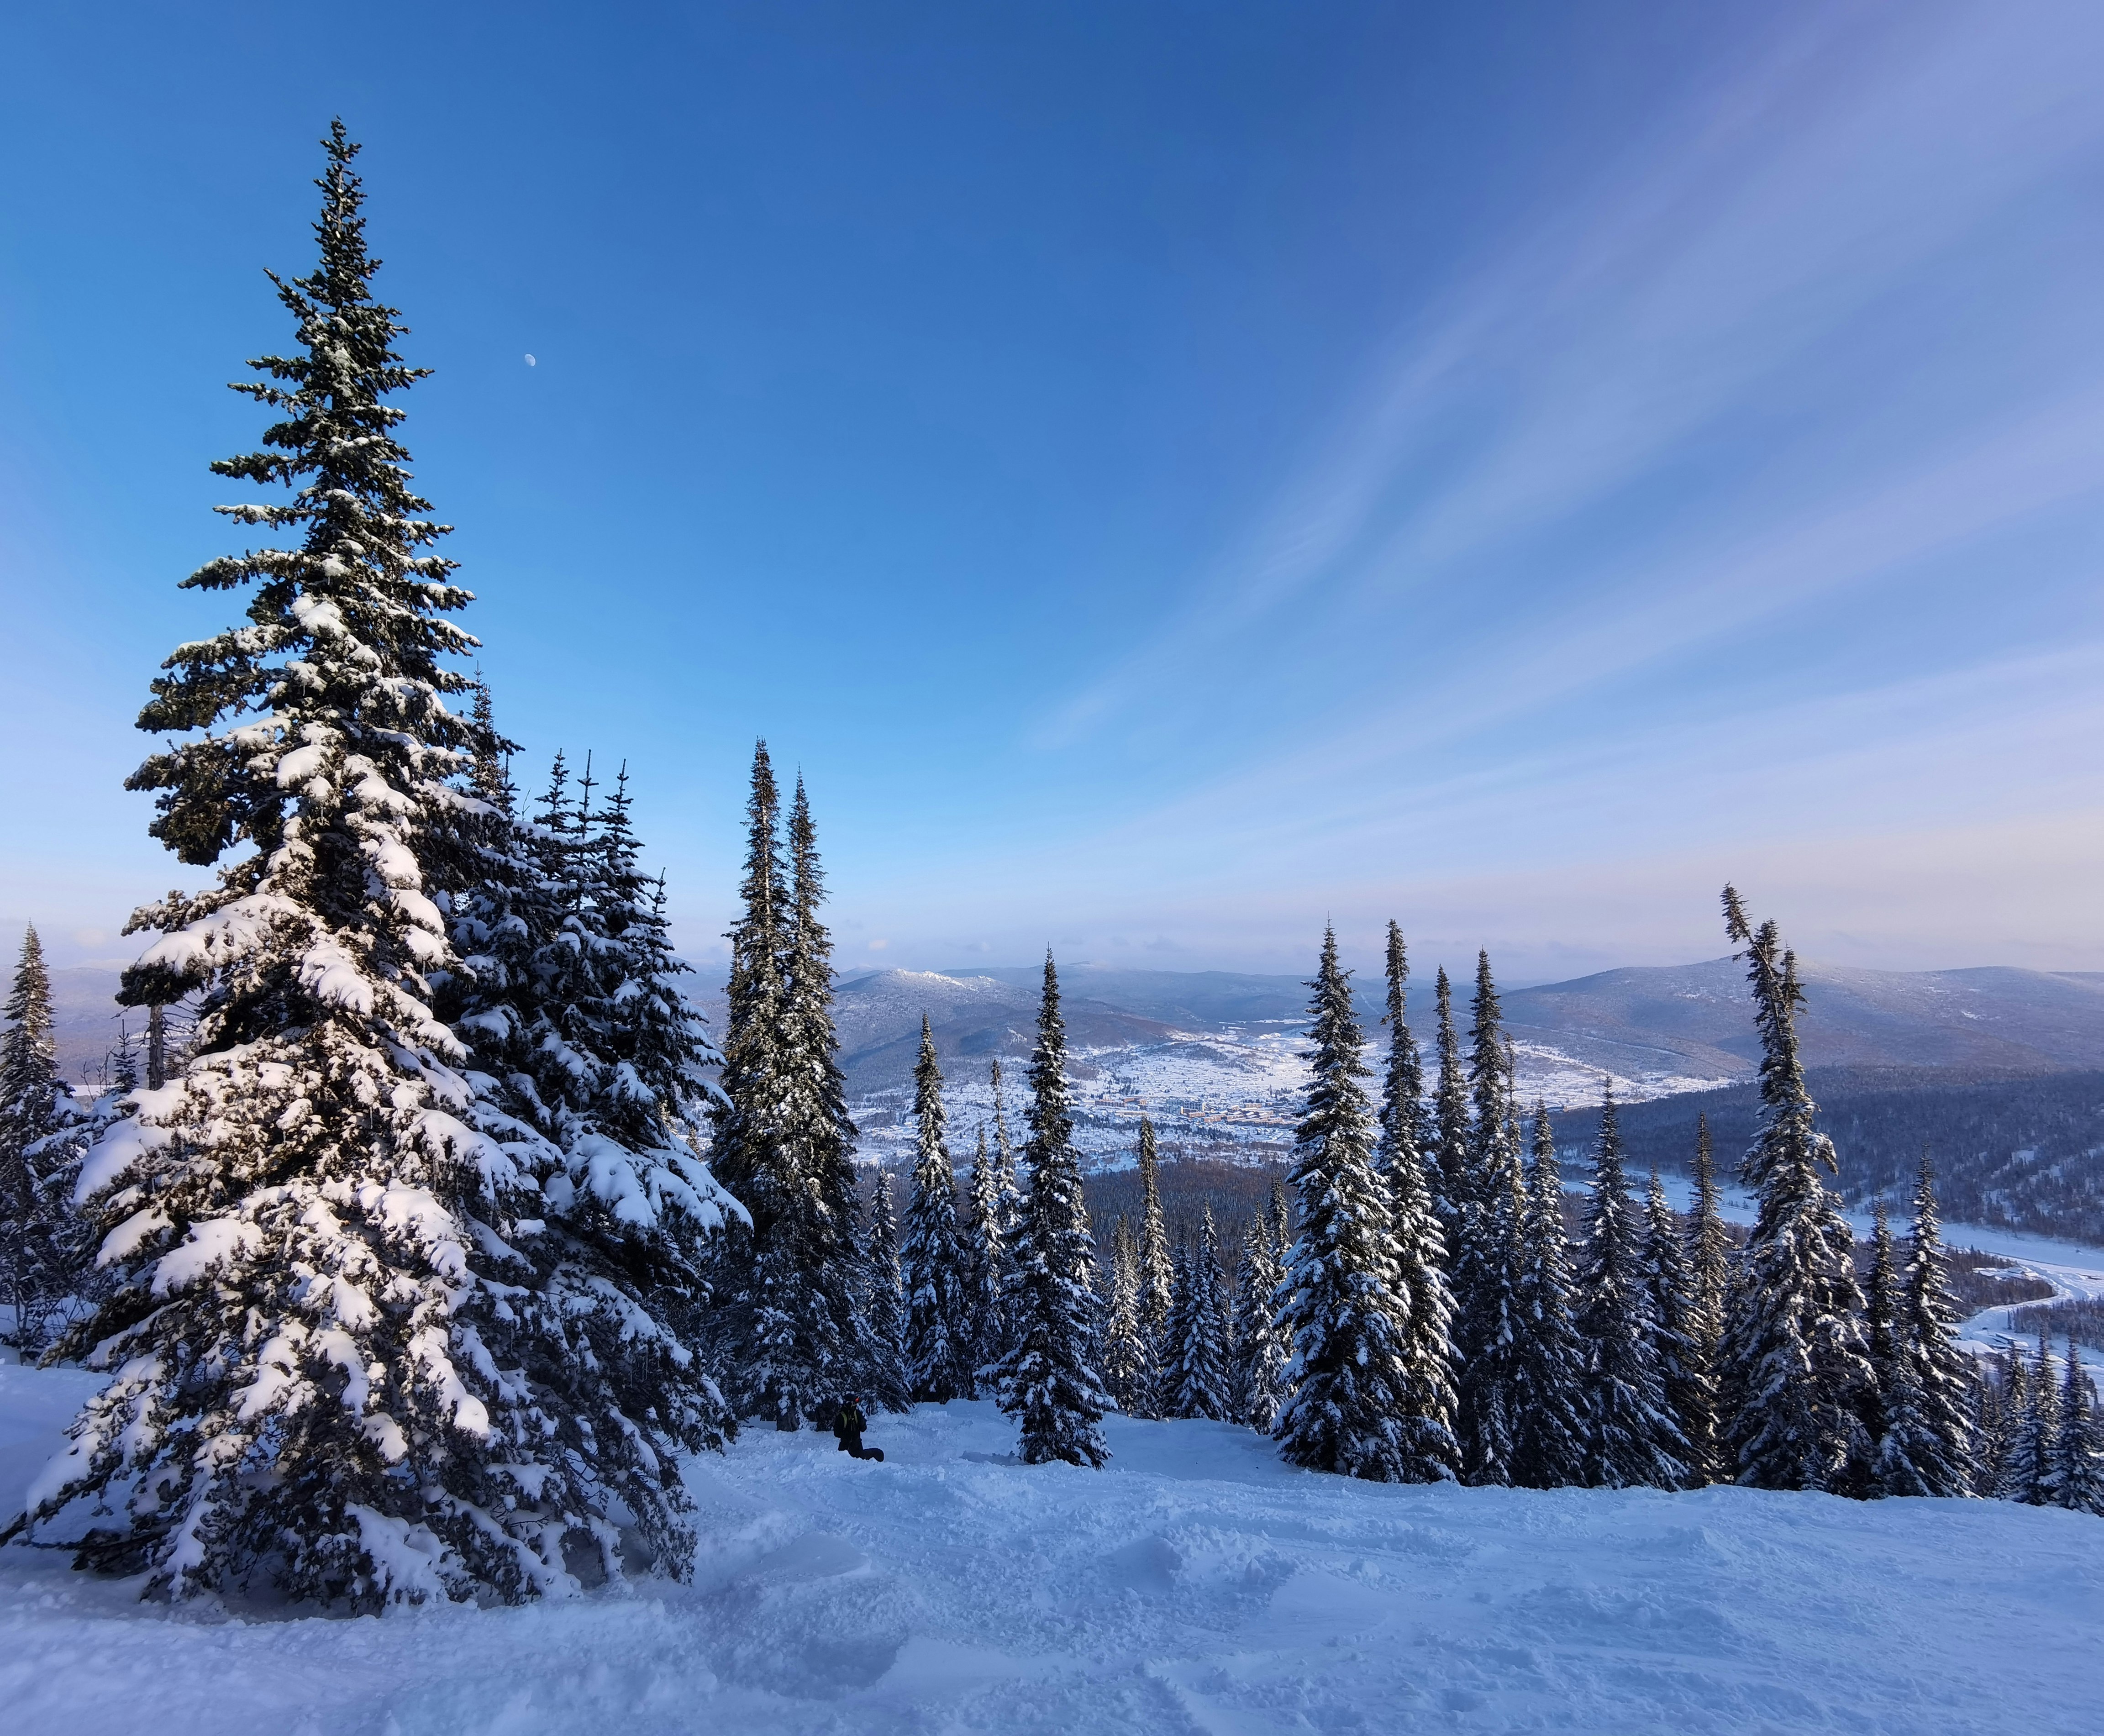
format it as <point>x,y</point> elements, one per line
<point>1196,1585</point>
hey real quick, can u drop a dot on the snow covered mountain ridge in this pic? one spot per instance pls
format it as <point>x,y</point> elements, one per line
<point>1213,1055</point>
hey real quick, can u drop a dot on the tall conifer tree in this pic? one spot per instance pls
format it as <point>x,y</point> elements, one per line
<point>1432,1404</point>
<point>1549,1446</point>
<point>1010,1193</point>
<point>2027,1472</point>
<point>1261,1351</point>
<point>2078,1478</point>
<point>1487,1262</point>
<point>1200,1368</point>
<point>1710,1259</point>
<point>1050,1382</point>
<point>884,1307</point>
<point>1796,1374</point>
<point>1349,1376</point>
<point>1903,1437</point>
<point>1402,1084</point>
<point>1126,1371</point>
<point>1449,1117</point>
<point>938,1352</point>
<point>340,1362</point>
<point>1929,1446</point>
<point>631,1084</point>
<point>785,1333</point>
<point>1177,1334</point>
<point>43,1248</point>
<point>1675,1311</point>
<point>654,1043</point>
<point>1631,1439</point>
<point>1881,1301</point>
<point>2005,1395</point>
<point>1157,1281</point>
<point>583,1055</point>
<point>985,1264</point>
<point>816,1127</point>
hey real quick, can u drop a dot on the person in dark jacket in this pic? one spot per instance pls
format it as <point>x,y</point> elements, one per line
<point>847,1429</point>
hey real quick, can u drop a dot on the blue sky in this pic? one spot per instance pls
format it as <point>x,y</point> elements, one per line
<point>1168,474</point>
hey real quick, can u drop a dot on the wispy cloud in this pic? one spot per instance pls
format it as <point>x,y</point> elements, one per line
<point>1693,297</point>
<point>1743,507</point>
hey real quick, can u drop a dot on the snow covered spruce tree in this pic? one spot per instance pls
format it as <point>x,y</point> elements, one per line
<point>1487,1262</point>
<point>2078,1473</point>
<point>1261,1350</point>
<point>783,1338</point>
<point>1402,1083</point>
<point>1176,1334</point>
<point>1431,1403</point>
<point>1197,1371</point>
<point>586,1064</point>
<point>1126,1371</point>
<point>1710,1260</point>
<point>1049,1380</point>
<point>2004,1394</point>
<point>1157,1276</point>
<point>1631,1438</point>
<point>1794,1375</point>
<point>885,1304</point>
<point>938,1349</point>
<point>1340,1303</point>
<point>1927,1446</point>
<point>816,1128</point>
<point>2027,1469</point>
<point>1669,1286</point>
<point>1547,1376</point>
<point>983,1241</point>
<point>568,994</point>
<point>339,1364</point>
<point>1881,1296</point>
<point>1008,1193</point>
<point>1450,1122</point>
<point>654,1042</point>
<point>1220,1279</point>
<point>45,1247</point>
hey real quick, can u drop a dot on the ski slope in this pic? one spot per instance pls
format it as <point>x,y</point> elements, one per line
<point>1196,1585</point>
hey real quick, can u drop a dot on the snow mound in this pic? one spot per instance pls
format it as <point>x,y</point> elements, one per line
<point>1196,1585</point>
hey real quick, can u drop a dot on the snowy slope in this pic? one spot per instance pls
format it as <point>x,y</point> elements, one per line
<point>1196,1585</point>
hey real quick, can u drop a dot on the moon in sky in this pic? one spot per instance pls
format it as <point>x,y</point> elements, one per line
<point>530,363</point>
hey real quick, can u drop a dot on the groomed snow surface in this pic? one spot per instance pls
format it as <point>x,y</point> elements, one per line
<point>1196,1585</point>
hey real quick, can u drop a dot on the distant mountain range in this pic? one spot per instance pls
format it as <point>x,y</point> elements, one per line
<point>1692,1022</point>
<point>1658,1030</point>
<point>2000,1072</point>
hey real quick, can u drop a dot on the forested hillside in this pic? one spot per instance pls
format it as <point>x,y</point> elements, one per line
<point>2026,1152</point>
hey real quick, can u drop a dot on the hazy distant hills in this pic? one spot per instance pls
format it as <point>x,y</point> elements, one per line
<point>878,1019</point>
<point>1189,1000</point>
<point>1656,1029</point>
<point>1696,1019</point>
<point>84,1020</point>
